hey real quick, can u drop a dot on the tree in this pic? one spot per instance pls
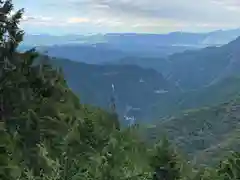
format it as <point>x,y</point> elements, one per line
<point>10,37</point>
<point>165,162</point>
<point>230,168</point>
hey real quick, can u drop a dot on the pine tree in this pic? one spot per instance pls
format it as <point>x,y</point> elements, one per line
<point>230,168</point>
<point>165,162</point>
<point>10,37</point>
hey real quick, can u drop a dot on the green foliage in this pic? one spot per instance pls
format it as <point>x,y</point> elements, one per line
<point>205,135</point>
<point>230,168</point>
<point>165,162</point>
<point>46,134</point>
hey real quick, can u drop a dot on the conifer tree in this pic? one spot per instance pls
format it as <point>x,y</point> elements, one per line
<point>230,168</point>
<point>165,162</point>
<point>10,37</point>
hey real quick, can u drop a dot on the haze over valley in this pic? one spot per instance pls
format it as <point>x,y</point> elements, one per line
<point>167,83</point>
<point>155,76</point>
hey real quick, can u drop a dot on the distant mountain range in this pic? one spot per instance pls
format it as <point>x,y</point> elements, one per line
<point>191,93</point>
<point>126,40</point>
<point>145,93</point>
<point>151,88</point>
<point>195,69</point>
<point>214,38</point>
<point>96,49</point>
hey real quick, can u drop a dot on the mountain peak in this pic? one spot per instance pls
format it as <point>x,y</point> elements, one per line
<point>233,44</point>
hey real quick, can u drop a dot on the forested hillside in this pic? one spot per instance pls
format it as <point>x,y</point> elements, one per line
<point>47,134</point>
<point>206,134</point>
<point>135,89</point>
<point>143,93</point>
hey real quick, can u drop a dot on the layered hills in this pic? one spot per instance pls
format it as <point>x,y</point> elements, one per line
<point>192,96</point>
<point>149,91</point>
<point>135,89</point>
<point>195,69</point>
<point>99,48</point>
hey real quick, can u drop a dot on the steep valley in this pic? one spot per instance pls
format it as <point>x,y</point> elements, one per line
<point>139,92</point>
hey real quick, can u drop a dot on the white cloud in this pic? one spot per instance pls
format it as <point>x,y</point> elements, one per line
<point>135,15</point>
<point>39,20</point>
<point>52,21</point>
<point>76,20</point>
<point>231,5</point>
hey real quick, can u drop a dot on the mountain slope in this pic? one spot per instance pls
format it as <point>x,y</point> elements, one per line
<point>176,102</point>
<point>91,54</point>
<point>142,93</point>
<point>114,46</point>
<point>120,40</point>
<point>201,78</point>
<point>136,89</point>
<point>204,133</point>
<point>195,69</point>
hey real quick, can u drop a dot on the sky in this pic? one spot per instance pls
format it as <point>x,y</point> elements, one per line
<point>140,16</point>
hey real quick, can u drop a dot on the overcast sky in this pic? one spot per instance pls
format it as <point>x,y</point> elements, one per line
<point>145,16</point>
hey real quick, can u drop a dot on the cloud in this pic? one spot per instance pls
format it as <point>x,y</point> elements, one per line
<point>38,20</point>
<point>232,5</point>
<point>227,2</point>
<point>184,10</point>
<point>176,11</point>
<point>136,15</point>
<point>51,21</point>
<point>74,20</point>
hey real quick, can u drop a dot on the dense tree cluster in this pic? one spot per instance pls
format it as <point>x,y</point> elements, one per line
<point>46,134</point>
